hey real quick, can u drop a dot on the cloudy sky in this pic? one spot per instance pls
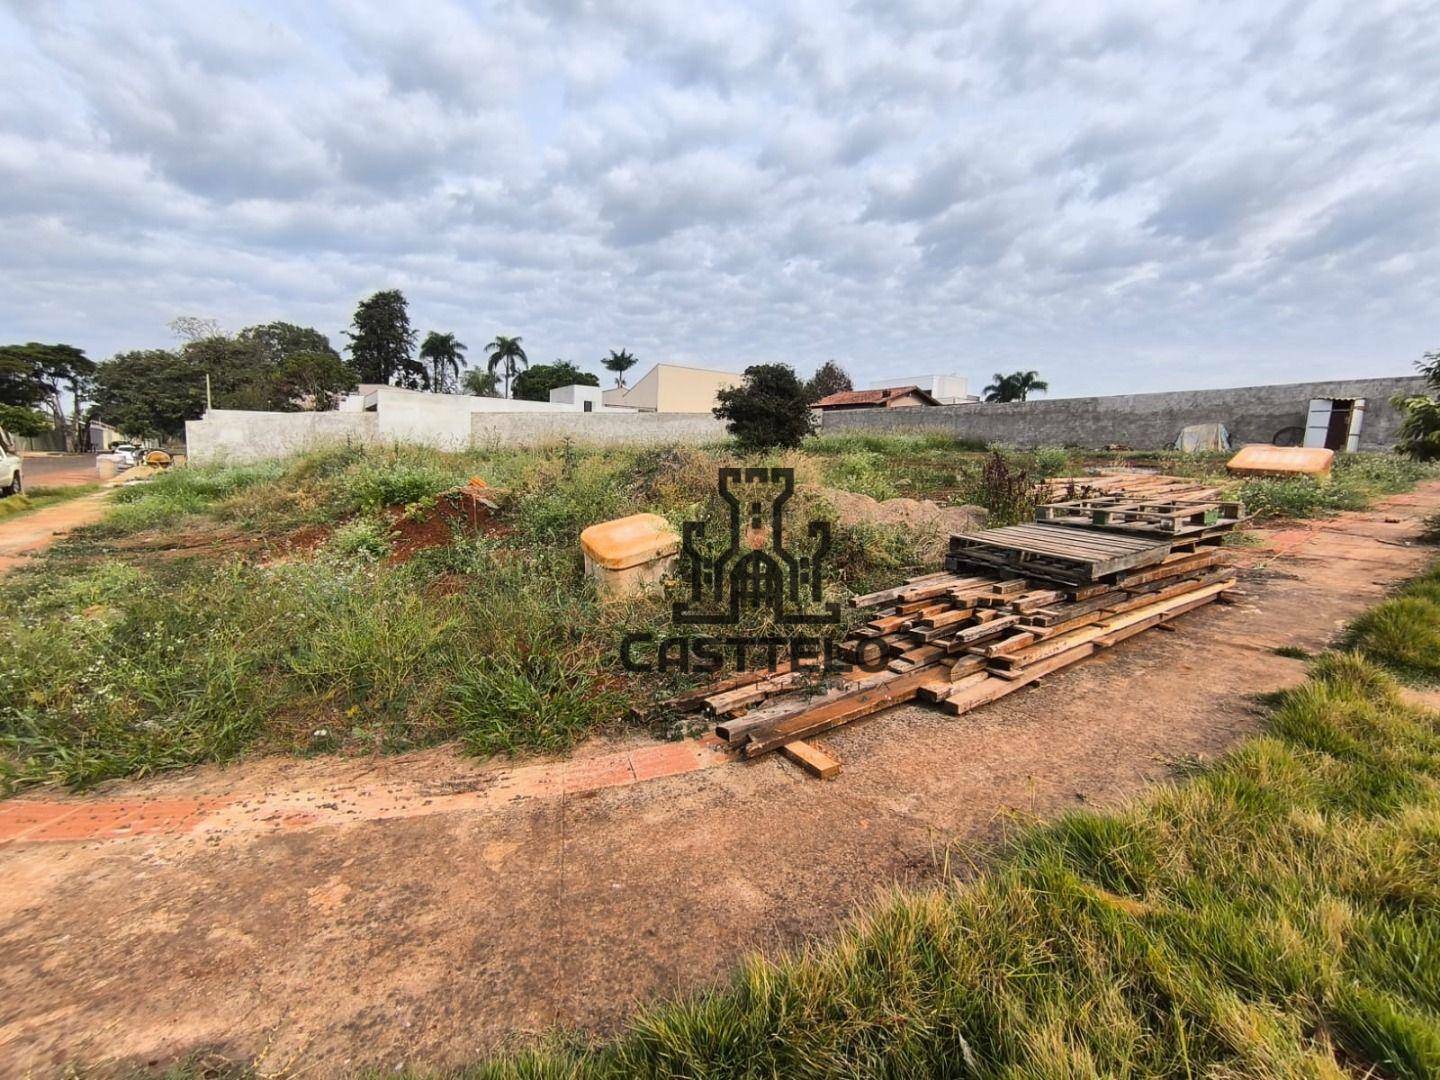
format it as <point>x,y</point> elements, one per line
<point>1125,197</point>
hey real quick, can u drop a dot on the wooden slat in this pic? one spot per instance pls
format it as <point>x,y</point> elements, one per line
<point>840,711</point>
<point>812,759</point>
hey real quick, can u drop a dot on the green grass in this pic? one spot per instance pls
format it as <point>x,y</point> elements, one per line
<point>1357,481</point>
<point>1403,632</point>
<point>119,660</point>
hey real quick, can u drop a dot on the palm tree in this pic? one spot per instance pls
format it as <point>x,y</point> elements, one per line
<point>479,383</point>
<point>506,354</point>
<point>619,362</point>
<point>446,357</point>
<point>1017,386</point>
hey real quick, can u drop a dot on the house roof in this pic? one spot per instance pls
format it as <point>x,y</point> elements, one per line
<point>879,397</point>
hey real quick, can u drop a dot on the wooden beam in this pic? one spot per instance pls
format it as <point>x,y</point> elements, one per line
<point>812,759</point>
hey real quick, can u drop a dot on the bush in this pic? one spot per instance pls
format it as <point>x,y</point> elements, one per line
<point>770,409</point>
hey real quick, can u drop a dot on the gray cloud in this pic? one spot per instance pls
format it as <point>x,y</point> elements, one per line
<point>1126,198</point>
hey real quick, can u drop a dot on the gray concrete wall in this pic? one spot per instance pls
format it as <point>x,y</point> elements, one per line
<point>238,435</point>
<point>606,427</point>
<point>1143,421</point>
<point>233,435</point>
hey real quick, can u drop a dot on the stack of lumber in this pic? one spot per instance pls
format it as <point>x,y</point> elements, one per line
<point>1014,605</point>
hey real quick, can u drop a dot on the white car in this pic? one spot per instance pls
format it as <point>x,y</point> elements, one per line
<point>124,454</point>
<point>10,483</point>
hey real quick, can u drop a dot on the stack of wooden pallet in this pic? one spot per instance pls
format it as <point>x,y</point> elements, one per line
<point>1013,605</point>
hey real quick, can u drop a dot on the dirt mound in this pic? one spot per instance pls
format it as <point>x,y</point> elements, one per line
<point>464,511</point>
<point>920,515</point>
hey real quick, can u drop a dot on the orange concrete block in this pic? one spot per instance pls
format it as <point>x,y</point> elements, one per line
<point>1258,459</point>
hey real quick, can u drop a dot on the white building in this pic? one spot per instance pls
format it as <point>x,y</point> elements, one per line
<point>946,389</point>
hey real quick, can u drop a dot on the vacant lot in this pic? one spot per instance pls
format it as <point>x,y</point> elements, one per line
<point>342,602</point>
<point>428,908</point>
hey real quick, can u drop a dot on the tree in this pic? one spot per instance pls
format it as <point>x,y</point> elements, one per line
<point>1420,428</point>
<point>480,383</point>
<point>618,362</point>
<point>769,409</point>
<point>148,393</point>
<point>535,384</point>
<point>241,375</point>
<point>829,378</point>
<point>1016,386</point>
<point>18,420</point>
<point>278,341</point>
<point>47,375</point>
<point>313,380</point>
<point>194,327</point>
<point>382,345</point>
<point>506,354</point>
<point>446,357</point>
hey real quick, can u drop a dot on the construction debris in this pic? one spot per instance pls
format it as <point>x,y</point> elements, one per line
<point>1013,605</point>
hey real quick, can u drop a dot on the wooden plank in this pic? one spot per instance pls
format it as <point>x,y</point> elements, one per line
<point>812,759</point>
<point>940,689</point>
<point>694,700</point>
<point>992,689</point>
<point>730,700</point>
<point>841,710</point>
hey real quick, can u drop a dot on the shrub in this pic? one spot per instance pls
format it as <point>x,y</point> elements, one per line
<point>770,409</point>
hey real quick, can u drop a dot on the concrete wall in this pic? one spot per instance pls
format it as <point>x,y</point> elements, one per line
<point>239,435</point>
<point>606,427</point>
<point>1143,421</point>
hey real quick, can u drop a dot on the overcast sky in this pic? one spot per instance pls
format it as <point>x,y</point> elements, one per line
<point>1152,196</point>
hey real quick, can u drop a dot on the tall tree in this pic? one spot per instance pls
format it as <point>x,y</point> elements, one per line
<point>148,393</point>
<point>768,409</point>
<point>506,354</point>
<point>49,376</point>
<point>480,383</point>
<point>1017,386</point>
<point>382,345</point>
<point>313,381</point>
<point>446,357</point>
<point>619,362</point>
<point>535,384</point>
<point>829,378</point>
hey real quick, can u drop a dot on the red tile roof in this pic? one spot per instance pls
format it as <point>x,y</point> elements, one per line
<point>872,397</point>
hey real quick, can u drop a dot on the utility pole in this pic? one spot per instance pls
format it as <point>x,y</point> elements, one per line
<point>207,392</point>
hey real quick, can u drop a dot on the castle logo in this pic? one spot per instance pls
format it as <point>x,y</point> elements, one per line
<point>755,570</point>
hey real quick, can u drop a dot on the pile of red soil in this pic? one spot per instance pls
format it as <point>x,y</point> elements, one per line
<point>465,511</point>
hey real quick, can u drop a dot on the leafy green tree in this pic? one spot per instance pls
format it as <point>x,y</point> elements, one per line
<point>1420,426</point>
<point>480,383</point>
<point>829,378</point>
<point>1017,386</point>
<point>770,408</point>
<point>277,341</point>
<point>618,362</point>
<point>18,420</point>
<point>535,384</point>
<point>382,345</point>
<point>35,374</point>
<point>313,381</point>
<point>507,354</point>
<point>242,376</point>
<point>446,356</point>
<point>149,393</point>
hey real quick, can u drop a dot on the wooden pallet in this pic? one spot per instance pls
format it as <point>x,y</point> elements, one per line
<point>1056,552</point>
<point>1144,517</point>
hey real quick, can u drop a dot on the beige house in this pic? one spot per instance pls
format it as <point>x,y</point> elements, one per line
<point>674,388</point>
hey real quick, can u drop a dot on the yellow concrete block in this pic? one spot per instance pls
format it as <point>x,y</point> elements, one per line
<point>629,553</point>
<point>1260,459</point>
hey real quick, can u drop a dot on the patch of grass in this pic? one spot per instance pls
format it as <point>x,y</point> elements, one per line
<point>1276,915</point>
<point>1293,652</point>
<point>121,663</point>
<point>1403,632</point>
<point>1357,480</point>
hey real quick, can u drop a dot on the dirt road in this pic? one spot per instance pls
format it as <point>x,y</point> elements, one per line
<point>59,470</point>
<point>33,531</point>
<point>332,914</point>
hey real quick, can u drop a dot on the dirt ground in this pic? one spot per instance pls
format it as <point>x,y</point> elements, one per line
<point>427,909</point>
<point>33,531</point>
<point>59,470</point>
